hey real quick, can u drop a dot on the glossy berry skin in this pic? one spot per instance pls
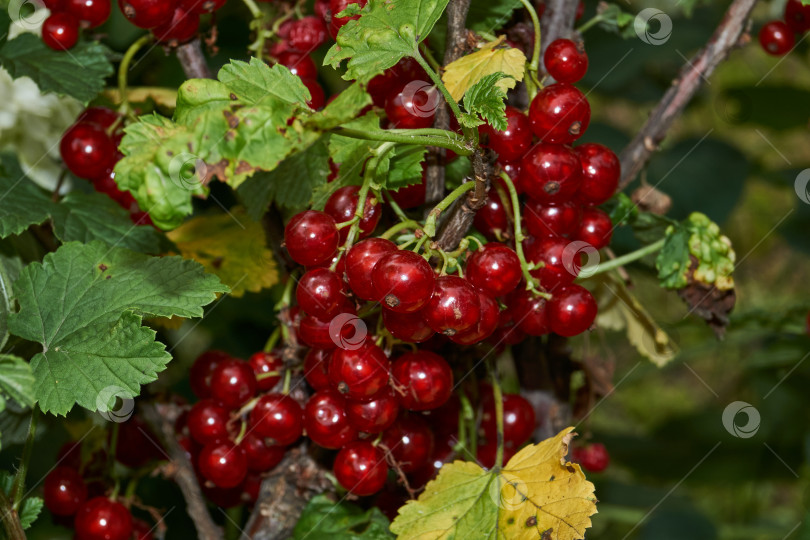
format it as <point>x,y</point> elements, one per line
<point>486,325</point>
<point>410,196</point>
<point>410,441</point>
<point>279,418</point>
<point>317,98</point>
<point>412,110</point>
<point>91,13</point>
<point>453,307</point>
<point>777,38</point>
<point>393,79</point>
<point>423,380</point>
<point>571,310</point>
<point>260,456</point>
<point>494,269</point>
<point>264,363</point>
<point>233,383</point>
<point>223,464</point>
<point>87,150</point>
<point>103,519</point>
<point>595,228</point>
<point>492,220</point>
<point>551,219</point>
<point>518,419</point>
<point>601,170</point>
<point>552,253</point>
<point>360,261</point>
<point>361,373</point>
<point>60,31</point>
<point>360,467</point>
<point>316,365</point>
<point>551,173</point>
<point>207,422</point>
<point>342,206</point>
<point>182,27</point>
<point>529,312</point>
<point>200,7</point>
<point>311,237</point>
<point>300,64</point>
<point>337,6</point>
<point>514,141</point>
<point>374,416</point>
<point>314,332</point>
<point>593,457</point>
<point>559,114</point>
<point>64,491</point>
<point>326,421</point>
<point>403,281</point>
<point>146,13</point>
<point>512,169</point>
<point>566,61</point>
<point>320,293</point>
<point>797,16</point>
<point>307,34</point>
<point>201,371</point>
<point>410,327</point>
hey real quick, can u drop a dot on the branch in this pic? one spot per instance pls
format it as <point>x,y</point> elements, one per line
<point>162,424</point>
<point>557,22</point>
<point>462,213</point>
<point>726,37</point>
<point>193,61</point>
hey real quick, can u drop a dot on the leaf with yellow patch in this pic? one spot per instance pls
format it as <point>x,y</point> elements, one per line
<point>464,73</point>
<point>232,246</point>
<point>536,495</point>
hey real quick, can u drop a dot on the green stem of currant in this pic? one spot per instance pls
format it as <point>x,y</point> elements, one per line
<point>254,9</point>
<point>497,395</point>
<point>430,222</point>
<point>272,340</point>
<point>394,206</point>
<point>429,58</point>
<point>123,70</point>
<point>286,301</point>
<point>10,518</point>
<point>401,226</point>
<point>628,258</point>
<point>590,23</point>
<point>285,389</point>
<point>447,139</point>
<point>469,133</point>
<point>532,84</point>
<point>18,488</point>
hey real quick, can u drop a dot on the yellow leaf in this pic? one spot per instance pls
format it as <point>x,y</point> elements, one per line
<point>537,495</point>
<point>230,245</point>
<point>461,75</point>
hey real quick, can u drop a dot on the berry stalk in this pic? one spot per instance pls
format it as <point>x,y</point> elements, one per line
<point>123,71</point>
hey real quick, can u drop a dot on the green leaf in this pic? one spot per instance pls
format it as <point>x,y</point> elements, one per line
<point>16,379</point>
<point>324,518</point>
<point>614,20</point>
<point>486,99</point>
<point>84,305</point>
<point>345,107</point>
<point>291,184</point>
<point>406,166</point>
<point>14,422</point>
<point>29,511</point>
<point>79,73</point>
<point>85,217</point>
<point>491,15</point>
<point>22,203</point>
<point>253,82</point>
<point>9,270</point>
<point>385,33</point>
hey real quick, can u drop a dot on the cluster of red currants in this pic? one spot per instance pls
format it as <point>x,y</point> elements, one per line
<point>60,30</point>
<point>89,149</point>
<point>593,457</point>
<point>779,37</point>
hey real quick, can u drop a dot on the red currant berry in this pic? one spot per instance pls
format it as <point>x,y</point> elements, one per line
<point>360,467</point>
<point>260,456</point>
<point>410,442</point>
<point>233,383</point>
<point>314,332</point>
<point>201,370</point>
<point>316,364</point>
<point>595,228</point>
<point>600,173</point>
<point>410,327</point>
<point>411,196</point>
<point>797,16</point>
<point>414,107</point>
<point>423,380</point>
<point>60,31</point>
<point>566,61</point>
<point>529,312</point>
<point>223,464</point>
<point>87,150</point>
<point>64,491</point>
<point>551,219</point>
<point>593,458</point>
<point>514,141</point>
<point>252,487</point>
<point>512,169</point>
<point>518,419</point>
<point>559,113</point>
<point>224,498</point>
<point>101,116</point>
<point>307,34</point>
<point>360,261</point>
<point>492,220</point>
<point>317,97</point>
<point>403,280</point>
<point>342,206</point>
<point>361,373</point>
<point>278,417</point>
<point>777,38</point>
<point>319,293</point>
<point>103,519</point>
<point>393,79</point>
<point>490,316</point>
<point>338,6</point>
<point>571,310</point>
<point>311,237</point>
<point>267,368</point>
<point>199,7</point>
<point>300,64</point>
<point>453,307</point>
<point>494,269</point>
<point>182,27</point>
<point>146,13</point>
<point>326,421</point>
<point>552,253</point>
<point>91,13</point>
<point>551,173</point>
<point>374,416</point>
<point>207,422</point>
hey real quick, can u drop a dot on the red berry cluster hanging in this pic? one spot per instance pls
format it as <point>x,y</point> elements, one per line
<point>779,37</point>
<point>60,31</point>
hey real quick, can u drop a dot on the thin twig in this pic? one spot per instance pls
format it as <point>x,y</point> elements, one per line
<point>192,59</point>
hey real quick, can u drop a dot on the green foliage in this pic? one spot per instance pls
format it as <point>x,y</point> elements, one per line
<point>84,304</point>
<point>385,33</point>
<point>324,518</point>
<point>80,74</point>
<point>22,203</point>
<point>405,166</point>
<point>16,381</point>
<point>6,299</point>
<point>29,508</point>
<point>613,19</point>
<point>344,108</point>
<point>486,99</point>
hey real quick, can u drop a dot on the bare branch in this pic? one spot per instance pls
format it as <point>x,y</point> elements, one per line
<point>461,216</point>
<point>192,59</point>
<point>557,22</point>
<point>728,35</point>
